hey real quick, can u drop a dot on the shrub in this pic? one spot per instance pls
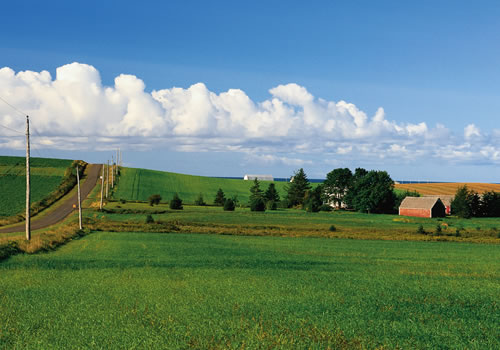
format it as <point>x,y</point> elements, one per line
<point>154,199</point>
<point>149,219</point>
<point>325,207</point>
<point>332,228</point>
<point>229,205</point>
<point>123,201</point>
<point>271,205</point>
<point>199,201</point>
<point>421,230</point>
<point>176,202</point>
<point>258,204</point>
<point>438,229</point>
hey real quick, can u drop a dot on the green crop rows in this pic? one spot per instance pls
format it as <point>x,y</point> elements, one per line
<point>145,290</point>
<point>46,175</point>
<point>139,184</point>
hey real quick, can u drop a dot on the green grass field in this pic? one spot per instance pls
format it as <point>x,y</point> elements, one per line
<point>139,184</point>
<point>145,290</point>
<point>292,222</point>
<point>46,175</point>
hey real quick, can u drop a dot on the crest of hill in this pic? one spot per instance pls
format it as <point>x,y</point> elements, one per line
<point>139,184</point>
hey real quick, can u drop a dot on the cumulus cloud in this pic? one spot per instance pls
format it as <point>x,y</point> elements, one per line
<point>74,110</point>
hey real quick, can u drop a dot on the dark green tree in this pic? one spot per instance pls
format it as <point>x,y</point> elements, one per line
<point>314,199</point>
<point>490,204</point>
<point>271,193</point>
<point>297,188</point>
<point>372,192</point>
<point>257,202</point>
<point>337,185</point>
<point>219,198</point>
<point>176,202</point>
<point>460,204</point>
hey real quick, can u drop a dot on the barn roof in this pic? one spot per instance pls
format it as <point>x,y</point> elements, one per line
<point>445,198</point>
<point>419,202</point>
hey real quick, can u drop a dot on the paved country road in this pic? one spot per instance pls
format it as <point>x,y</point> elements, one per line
<point>93,172</point>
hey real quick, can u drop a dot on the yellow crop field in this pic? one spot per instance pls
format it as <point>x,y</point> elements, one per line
<point>447,188</point>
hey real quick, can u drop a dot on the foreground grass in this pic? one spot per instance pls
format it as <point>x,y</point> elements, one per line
<point>129,290</point>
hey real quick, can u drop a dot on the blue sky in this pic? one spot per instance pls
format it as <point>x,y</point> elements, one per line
<point>432,62</point>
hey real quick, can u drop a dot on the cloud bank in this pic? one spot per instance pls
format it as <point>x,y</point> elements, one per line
<point>75,110</point>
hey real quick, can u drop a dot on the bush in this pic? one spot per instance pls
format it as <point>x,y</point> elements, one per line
<point>271,205</point>
<point>149,219</point>
<point>229,205</point>
<point>421,230</point>
<point>258,204</point>
<point>176,202</point>
<point>199,201</point>
<point>123,201</point>
<point>438,229</point>
<point>154,199</point>
<point>332,228</point>
<point>325,207</point>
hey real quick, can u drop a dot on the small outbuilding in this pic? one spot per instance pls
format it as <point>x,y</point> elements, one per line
<point>423,207</point>
<point>259,177</point>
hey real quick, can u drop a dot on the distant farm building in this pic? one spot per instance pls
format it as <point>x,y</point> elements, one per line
<point>423,207</point>
<point>259,177</point>
<point>446,199</point>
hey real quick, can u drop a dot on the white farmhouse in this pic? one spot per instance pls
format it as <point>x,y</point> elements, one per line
<point>259,177</point>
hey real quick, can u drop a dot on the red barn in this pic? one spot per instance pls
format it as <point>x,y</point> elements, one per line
<point>423,207</point>
<point>446,199</point>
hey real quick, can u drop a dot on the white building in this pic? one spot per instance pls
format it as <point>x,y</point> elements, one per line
<point>259,177</point>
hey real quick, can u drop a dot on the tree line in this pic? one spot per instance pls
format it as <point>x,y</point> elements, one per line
<point>468,203</point>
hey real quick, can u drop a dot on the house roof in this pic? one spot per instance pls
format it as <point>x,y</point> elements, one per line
<point>419,202</point>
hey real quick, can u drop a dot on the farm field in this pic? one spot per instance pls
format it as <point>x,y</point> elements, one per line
<point>139,184</point>
<point>150,290</point>
<point>291,222</point>
<point>447,188</point>
<point>46,176</point>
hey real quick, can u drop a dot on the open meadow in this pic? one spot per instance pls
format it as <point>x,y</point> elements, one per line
<point>46,175</point>
<point>153,290</point>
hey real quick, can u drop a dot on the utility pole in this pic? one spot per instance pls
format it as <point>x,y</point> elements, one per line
<point>102,185</point>
<point>112,172</point>
<point>107,182</point>
<point>117,155</point>
<point>79,199</point>
<point>28,182</point>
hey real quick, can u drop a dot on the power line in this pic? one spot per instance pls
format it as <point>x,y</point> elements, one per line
<point>6,127</point>
<point>14,108</point>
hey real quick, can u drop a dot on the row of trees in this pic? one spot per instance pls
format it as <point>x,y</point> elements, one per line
<point>468,203</point>
<point>366,191</point>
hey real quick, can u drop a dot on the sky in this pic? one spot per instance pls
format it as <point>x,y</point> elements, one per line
<point>227,88</point>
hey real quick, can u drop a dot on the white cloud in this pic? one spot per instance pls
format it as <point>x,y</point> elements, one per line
<point>74,107</point>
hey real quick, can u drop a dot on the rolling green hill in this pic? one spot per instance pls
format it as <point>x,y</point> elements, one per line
<point>139,184</point>
<point>46,176</point>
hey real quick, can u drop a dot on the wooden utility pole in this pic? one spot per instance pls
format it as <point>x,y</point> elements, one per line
<point>107,181</point>
<point>28,182</point>
<point>117,156</point>
<point>79,199</point>
<point>112,172</point>
<point>102,186</point>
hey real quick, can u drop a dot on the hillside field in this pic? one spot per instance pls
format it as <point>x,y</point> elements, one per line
<point>139,184</point>
<point>447,188</point>
<point>46,175</point>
